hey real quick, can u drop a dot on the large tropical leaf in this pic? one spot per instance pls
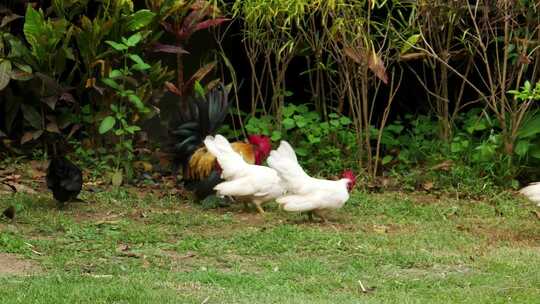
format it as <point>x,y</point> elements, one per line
<point>140,19</point>
<point>34,30</point>
<point>168,48</point>
<point>31,116</point>
<point>530,127</point>
<point>5,73</point>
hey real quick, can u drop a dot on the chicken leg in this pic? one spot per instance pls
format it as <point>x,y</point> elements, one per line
<point>320,215</point>
<point>259,207</point>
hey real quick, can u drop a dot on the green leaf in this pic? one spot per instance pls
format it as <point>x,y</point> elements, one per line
<point>136,58</point>
<point>115,74</point>
<point>534,151</point>
<point>140,64</point>
<point>31,116</point>
<point>300,121</point>
<point>288,123</point>
<point>301,151</point>
<point>136,101</point>
<point>530,128</point>
<point>313,139</point>
<point>141,67</point>
<point>276,135</point>
<point>522,147</point>
<point>133,129</point>
<point>455,147</point>
<point>289,110</point>
<point>111,83</point>
<point>386,159</point>
<point>411,41</point>
<point>199,89</point>
<point>33,30</point>
<point>302,109</point>
<point>345,121</point>
<point>140,19</point>
<point>5,73</point>
<point>134,39</point>
<point>117,46</point>
<point>107,124</point>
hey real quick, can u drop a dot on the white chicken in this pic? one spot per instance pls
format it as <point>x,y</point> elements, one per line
<point>532,192</point>
<point>305,193</point>
<point>243,181</point>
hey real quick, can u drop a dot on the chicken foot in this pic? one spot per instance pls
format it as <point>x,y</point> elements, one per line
<point>259,207</point>
<point>318,213</point>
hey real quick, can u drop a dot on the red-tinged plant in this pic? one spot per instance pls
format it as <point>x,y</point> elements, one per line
<point>182,21</point>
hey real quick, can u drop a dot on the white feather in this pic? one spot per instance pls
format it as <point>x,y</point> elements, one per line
<point>532,192</point>
<point>257,183</point>
<point>305,193</point>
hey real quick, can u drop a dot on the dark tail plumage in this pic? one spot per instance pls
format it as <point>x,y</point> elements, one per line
<point>204,117</point>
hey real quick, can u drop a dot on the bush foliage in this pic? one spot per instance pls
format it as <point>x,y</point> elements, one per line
<point>94,70</point>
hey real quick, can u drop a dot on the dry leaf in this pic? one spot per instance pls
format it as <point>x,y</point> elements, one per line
<point>427,186</point>
<point>376,65</point>
<point>117,178</point>
<point>145,263</point>
<point>380,229</point>
<point>21,188</point>
<point>26,137</point>
<point>524,59</point>
<point>445,166</point>
<point>53,127</point>
<point>412,56</point>
<point>172,88</point>
<point>36,174</point>
<point>6,189</point>
<point>122,247</point>
<point>143,165</point>
<point>353,54</point>
<point>364,289</point>
<point>90,82</point>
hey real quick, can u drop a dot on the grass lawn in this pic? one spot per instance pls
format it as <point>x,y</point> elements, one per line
<point>403,248</point>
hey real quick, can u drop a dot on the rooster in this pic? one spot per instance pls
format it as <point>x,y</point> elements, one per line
<point>532,192</point>
<point>201,173</point>
<point>305,193</point>
<point>244,181</point>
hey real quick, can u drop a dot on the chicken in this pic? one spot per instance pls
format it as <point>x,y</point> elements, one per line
<point>532,192</point>
<point>205,116</point>
<point>9,212</point>
<point>305,193</point>
<point>64,179</point>
<point>243,181</point>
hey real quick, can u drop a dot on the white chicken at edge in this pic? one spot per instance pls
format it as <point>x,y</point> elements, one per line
<point>305,193</point>
<point>243,181</point>
<point>532,192</point>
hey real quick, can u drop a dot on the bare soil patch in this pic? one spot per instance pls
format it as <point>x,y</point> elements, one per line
<point>12,264</point>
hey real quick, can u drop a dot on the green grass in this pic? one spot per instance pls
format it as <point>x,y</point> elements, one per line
<point>408,248</point>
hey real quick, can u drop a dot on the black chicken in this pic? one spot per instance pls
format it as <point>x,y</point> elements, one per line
<point>9,212</point>
<point>64,179</point>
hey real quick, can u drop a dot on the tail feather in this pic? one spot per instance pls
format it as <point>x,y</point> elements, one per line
<point>204,117</point>
<point>229,161</point>
<point>284,161</point>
